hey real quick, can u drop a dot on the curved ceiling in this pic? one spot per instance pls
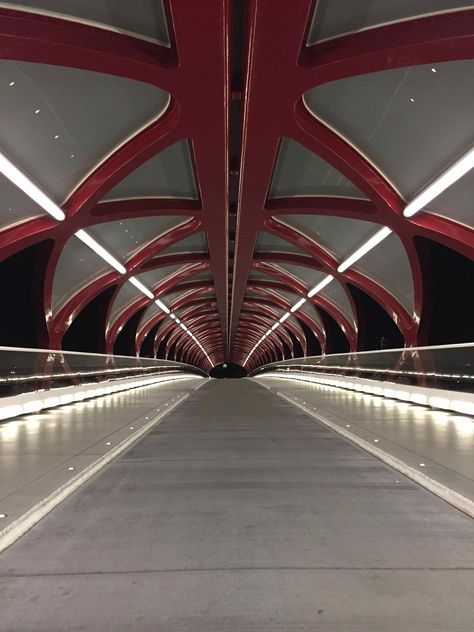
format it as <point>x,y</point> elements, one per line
<point>230,177</point>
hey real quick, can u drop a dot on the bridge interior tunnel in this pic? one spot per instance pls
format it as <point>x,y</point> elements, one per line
<point>315,197</point>
<point>211,188</point>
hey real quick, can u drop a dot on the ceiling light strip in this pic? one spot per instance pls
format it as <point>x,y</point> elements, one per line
<point>100,250</point>
<point>139,285</point>
<point>297,305</point>
<point>20,180</point>
<point>373,241</point>
<point>23,182</point>
<point>449,177</point>
<point>317,288</point>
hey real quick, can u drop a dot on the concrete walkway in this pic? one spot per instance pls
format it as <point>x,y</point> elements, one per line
<point>240,513</point>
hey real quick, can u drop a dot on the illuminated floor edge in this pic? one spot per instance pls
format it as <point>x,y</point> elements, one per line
<point>46,456</point>
<point>434,448</point>
<point>442,399</point>
<point>239,512</point>
<point>36,401</point>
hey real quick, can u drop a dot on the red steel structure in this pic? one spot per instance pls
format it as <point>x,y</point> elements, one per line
<point>292,54</point>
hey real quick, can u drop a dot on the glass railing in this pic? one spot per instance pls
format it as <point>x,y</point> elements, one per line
<point>26,370</point>
<point>448,367</point>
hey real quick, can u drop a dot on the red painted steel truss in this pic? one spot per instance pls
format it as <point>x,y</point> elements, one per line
<point>196,71</point>
<point>279,69</point>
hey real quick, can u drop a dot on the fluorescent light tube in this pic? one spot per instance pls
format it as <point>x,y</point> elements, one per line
<point>139,285</point>
<point>320,286</point>
<point>297,305</point>
<point>162,306</point>
<point>449,177</point>
<point>365,248</point>
<point>100,250</point>
<point>19,179</point>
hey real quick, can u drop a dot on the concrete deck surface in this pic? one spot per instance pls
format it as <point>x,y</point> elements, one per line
<point>36,451</point>
<point>240,513</point>
<point>443,441</point>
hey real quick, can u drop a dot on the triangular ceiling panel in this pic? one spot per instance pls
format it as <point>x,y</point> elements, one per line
<point>390,117</point>
<point>300,172</point>
<point>169,174</point>
<point>59,123</point>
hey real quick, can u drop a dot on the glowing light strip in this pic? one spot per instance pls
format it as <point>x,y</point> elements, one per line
<point>365,248</point>
<point>449,177</point>
<point>100,250</point>
<point>23,182</point>
<point>162,306</point>
<point>317,288</point>
<point>70,395</point>
<point>20,180</point>
<point>413,395</point>
<point>184,328</point>
<point>297,305</point>
<point>138,284</point>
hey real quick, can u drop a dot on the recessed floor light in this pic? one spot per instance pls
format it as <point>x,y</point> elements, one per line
<point>70,468</point>
<point>108,443</point>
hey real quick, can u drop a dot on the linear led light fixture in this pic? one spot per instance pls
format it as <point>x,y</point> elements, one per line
<point>19,179</point>
<point>163,307</point>
<point>275,325</point>
<point>317,288</point>
<point>183,326</point>
<point>100,250</point>
<point>379,236</point>
<point>297,305</point>
<point>445,180</point>
<point>138,284</point>
<point>284,317</point>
